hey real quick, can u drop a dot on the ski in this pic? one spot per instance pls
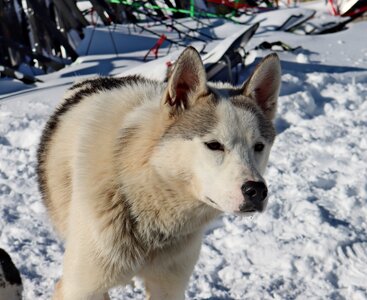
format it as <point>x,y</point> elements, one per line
<point>11,73</point>
<point>227,53</point>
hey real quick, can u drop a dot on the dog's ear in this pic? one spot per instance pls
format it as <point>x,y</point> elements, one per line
<point>264,84</point>
<point>188,79</point>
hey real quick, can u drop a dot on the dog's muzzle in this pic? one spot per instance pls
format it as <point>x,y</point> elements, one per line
<point>255,193</point>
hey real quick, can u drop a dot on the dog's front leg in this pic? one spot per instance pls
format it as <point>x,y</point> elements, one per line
<point>58,295</point>
<point>165,289</point>
<point>166,278</point>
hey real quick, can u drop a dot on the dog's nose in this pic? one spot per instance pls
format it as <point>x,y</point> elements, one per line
<point>255,193</point>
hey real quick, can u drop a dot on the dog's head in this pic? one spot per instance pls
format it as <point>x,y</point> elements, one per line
<point>218,140</point>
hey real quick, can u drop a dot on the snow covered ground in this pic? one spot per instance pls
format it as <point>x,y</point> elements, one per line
<point>310,243</point>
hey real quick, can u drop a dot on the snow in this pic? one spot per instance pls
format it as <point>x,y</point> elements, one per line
<point>310,243</point>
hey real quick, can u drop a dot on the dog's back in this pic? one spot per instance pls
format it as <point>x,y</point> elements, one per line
<point>91,111</point>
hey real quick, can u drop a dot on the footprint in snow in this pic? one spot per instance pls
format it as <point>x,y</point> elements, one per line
<point>4,141</point>
<point>353,265</point>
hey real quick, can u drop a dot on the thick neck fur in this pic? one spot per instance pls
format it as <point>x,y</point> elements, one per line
<point>162,211</point>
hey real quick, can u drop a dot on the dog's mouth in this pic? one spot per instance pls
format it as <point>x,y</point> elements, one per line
<point>253,207</point>
<point>211,201</point>
<point>251,210</point>
<point>246,212</point>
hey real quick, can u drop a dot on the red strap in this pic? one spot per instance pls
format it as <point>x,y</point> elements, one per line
<point>92,16</point>
<point>356,11</point>
<point>156,46</point>
<point>333,8</point>
<point>231,4</point>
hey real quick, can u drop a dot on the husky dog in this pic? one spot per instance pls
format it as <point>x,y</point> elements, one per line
<point>132,170</point>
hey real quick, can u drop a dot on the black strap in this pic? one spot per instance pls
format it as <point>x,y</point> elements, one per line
<point>269,46</point>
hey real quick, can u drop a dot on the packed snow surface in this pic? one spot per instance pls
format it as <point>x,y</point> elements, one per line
<point>310,243</point>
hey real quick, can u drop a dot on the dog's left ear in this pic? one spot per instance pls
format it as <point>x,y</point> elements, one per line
<point>264,84</point>
<point>187,80</point>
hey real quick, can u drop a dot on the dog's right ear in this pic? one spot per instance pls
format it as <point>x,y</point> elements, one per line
<point>188,79</point>
<point>264,84</point>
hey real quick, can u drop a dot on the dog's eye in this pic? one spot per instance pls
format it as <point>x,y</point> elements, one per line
<point>259,147</point>
<point>215,146</point>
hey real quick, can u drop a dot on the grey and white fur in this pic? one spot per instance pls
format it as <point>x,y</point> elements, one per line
<point>132,170</point>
